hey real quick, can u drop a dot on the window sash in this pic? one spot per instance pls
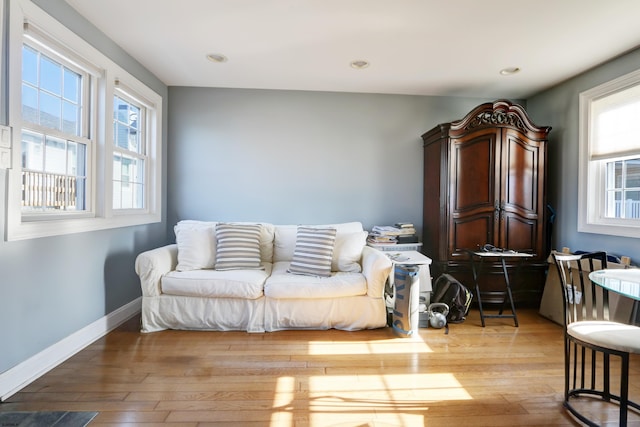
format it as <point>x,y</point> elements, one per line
<point>129,167</point>
<point>47,192</point>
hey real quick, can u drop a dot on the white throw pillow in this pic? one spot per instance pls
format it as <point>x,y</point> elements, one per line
<point>348,251</point>
<point>196,245</point>
<point>313,252</point>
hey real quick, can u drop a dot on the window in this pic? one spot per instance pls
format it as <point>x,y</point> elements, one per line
<point>86,139</point>
<point>54,133</point>
<point>610,158</point>
<point>129,141</point>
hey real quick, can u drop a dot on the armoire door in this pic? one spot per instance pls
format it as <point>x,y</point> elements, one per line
<point>521,193</point>
<point>474,190</point>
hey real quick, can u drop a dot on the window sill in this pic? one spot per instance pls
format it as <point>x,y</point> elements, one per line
<point>610,229</point>
<point>37,229</point>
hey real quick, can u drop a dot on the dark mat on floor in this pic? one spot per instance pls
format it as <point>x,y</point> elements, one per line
<point>46,419</point>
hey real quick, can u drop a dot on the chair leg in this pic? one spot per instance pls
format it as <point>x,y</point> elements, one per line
<point>607,380</point>
<point>567,367</point>
<point>624,388</point>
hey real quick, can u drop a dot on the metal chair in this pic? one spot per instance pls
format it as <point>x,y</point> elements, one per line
<point>588,333</point>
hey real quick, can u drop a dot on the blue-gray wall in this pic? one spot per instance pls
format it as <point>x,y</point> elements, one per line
<point>53,287</point>
<point>291,157</point>
<point>558,107</point>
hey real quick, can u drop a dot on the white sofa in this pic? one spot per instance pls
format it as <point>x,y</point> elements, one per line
<point>182,289</point>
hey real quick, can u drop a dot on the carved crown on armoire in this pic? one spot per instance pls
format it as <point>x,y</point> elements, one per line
<point>485,182</point>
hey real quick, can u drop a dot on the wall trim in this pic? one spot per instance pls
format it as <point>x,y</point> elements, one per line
<point>18,377</point>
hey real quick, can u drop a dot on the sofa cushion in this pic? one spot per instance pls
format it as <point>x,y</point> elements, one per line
<point>284,242</point>
<point>347,252</point>
<point>314,248</point>
<point>282,285</point>
<point>247,284</point>
<point>237,246</point>
<point>198,250</point>
<point>196,242</point>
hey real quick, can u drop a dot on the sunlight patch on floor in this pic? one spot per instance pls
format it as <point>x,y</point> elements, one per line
<point>282,401</point>
<point>410,345</point>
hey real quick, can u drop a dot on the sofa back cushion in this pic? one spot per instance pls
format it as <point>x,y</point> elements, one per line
<point>197,243</point>
<point>350,239</point>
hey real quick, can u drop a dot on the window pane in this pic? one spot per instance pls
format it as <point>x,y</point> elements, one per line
<point>50,76</point>
<point>32,152</point>
<point>29,103</point>
<point>79,169</point>
<point>54,178</point>
<point>128,185</point>
<point>71,121</point>
<point>50,111</point>
<point>80,194</point>
<point>117,192</point>
<point>120,110</point>
<point>632,204</point>
<point>126,127</point>
<point>29,66</point>
<point>72,86</point>
<point>117,167</point>
<point>138,196</point>
<point>618,175</point>
<point>121,135</point>
<point>56,155</point>
<point>633,173</point>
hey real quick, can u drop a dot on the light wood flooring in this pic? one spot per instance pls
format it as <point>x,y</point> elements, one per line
<point>499,375</point>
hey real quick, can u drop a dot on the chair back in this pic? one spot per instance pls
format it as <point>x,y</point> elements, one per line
<point>583,300</point>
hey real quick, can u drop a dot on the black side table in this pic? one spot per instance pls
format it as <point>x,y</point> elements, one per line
<point>474,255</point>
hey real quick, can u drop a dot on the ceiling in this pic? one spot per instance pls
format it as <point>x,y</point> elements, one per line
<point>417,47</point>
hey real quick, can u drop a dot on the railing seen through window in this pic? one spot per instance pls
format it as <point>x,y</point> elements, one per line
<point>49,192</point>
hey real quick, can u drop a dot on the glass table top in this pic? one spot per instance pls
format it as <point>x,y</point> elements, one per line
<point>622,281</point>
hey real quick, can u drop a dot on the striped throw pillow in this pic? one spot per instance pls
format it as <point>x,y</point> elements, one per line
<point>313,252</point>
<point>237,246</point>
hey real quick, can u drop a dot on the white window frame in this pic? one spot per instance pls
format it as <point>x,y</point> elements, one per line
<point>99,214</point>
<point>38,40</point>
<point>130,88</point>
<point>592,173</point>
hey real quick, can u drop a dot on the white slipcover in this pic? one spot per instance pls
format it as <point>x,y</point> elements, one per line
<point>269,299</point>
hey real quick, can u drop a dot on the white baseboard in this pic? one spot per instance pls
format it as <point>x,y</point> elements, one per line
<point>18,377</point>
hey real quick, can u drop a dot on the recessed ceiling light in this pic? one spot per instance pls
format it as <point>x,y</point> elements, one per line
<point>359,64</point>
<point>509,71</point>
<point>216,57</point>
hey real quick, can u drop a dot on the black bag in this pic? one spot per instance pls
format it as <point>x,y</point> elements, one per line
<point>449,290</point>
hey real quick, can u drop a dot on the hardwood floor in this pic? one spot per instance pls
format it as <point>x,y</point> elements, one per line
<point>493,376</point>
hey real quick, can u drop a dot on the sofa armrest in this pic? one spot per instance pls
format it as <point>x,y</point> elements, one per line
<point>376,267</point>
<point>152,265</point>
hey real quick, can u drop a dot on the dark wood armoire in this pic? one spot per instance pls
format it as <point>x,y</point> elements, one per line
<point>484,182</point>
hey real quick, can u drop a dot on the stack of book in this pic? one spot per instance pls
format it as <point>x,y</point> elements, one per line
<point>400,232</point>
